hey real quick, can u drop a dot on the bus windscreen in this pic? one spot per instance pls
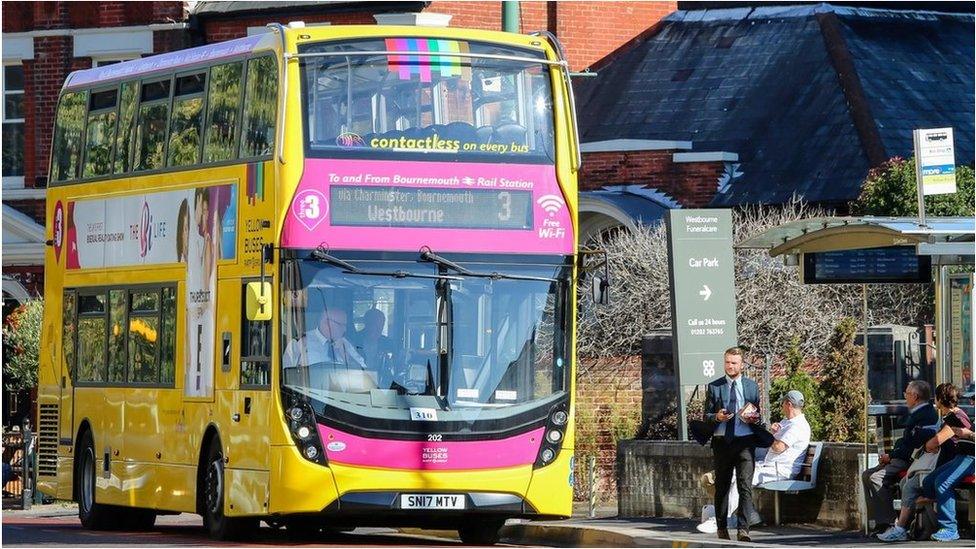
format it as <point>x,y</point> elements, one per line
<point>388,106</point>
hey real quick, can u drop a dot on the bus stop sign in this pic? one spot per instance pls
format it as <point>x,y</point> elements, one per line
<point>702,292</point>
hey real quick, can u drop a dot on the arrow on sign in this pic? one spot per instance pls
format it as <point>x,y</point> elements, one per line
<point>706,292</point>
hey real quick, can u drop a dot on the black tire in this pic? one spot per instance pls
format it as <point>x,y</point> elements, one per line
<point>138,520</point>
<point>481,533</point>
<point>219,526</point>
<point>92,514</point>
<point>303,528</point>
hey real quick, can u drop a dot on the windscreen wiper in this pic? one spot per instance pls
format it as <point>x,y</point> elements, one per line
<point>320,254</point>
<point>427,255</point>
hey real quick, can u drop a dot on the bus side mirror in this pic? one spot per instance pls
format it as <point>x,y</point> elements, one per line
<point>258,306</point>
<point>599,290</point>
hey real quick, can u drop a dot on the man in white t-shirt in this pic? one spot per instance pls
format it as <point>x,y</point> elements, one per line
<point>783,461</point>
<point>325,344</point>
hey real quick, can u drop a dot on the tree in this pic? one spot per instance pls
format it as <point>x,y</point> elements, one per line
<point>891,189</point>
<point>799,380</point>
<point>22,342</point>
<point>843,385</point>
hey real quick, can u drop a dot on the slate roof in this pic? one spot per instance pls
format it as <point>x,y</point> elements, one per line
<point>764,83</point>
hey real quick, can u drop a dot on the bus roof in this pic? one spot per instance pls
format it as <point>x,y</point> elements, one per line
<point>165,62</point>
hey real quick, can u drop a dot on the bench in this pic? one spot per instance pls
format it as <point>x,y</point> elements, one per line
<point>806,479</point>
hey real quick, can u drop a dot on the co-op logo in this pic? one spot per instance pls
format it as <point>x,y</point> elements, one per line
<point>145,230</point>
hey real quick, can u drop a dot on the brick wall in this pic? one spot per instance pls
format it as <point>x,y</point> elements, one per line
<point>608,405</point>
<point>661,479</point>
<point>588,30</point>
<point>45,73</point>
<point>693,184</point>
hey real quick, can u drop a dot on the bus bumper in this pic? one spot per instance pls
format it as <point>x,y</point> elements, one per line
<point>364,496</point>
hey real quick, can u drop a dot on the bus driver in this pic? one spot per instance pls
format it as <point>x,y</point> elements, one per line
<point>325,344</point>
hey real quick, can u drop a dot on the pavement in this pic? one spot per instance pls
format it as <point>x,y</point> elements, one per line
<point>608,530</point>
<point>604,530</point>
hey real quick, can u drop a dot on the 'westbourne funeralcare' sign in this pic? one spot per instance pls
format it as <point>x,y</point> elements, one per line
<point>702,292</point>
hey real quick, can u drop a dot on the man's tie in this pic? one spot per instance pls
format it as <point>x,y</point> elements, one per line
<point>733,407</point>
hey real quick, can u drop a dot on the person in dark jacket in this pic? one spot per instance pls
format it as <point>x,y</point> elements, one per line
<point>879,481</point>
<point>732,406</point>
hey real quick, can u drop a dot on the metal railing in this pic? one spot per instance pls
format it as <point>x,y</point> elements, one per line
<point>19,469</point>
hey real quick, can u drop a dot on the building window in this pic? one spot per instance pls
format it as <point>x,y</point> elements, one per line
<point>107,61</point>
<point>13,122</point>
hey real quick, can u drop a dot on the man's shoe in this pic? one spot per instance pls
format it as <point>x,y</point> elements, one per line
<point>708,526</point>
<point>880,529</point>
<point>895,533</point>
<point>945,534</point>
<point>744,536</point>
<point>723,533</point>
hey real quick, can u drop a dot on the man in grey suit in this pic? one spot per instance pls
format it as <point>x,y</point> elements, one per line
<point>734,441</point>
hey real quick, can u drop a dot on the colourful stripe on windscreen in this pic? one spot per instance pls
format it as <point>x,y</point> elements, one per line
<point>425,67</point>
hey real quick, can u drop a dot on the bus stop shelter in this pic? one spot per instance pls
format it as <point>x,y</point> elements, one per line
<point>945,243</point>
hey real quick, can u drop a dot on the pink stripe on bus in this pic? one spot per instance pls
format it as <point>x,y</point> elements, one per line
<point>347,449</point>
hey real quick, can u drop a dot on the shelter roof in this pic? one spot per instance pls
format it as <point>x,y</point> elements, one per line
<point>844,233</point>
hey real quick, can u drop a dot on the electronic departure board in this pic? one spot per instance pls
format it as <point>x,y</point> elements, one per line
<point>430,207</point>
<point>869,265</point>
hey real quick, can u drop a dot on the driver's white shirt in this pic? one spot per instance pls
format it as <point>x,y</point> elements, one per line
<point>317,348</point>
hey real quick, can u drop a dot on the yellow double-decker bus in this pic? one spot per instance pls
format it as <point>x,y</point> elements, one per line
<point>320,277</point>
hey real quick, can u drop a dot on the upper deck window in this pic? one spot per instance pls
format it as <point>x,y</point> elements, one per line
<point>66,157</point>
<point>187,125</point>
<point>151,130</point>
<point>260,107</point>
<point>100,133</point>
<point>450,108</point>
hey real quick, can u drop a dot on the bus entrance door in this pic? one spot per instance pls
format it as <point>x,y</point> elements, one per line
<point>244,393</point>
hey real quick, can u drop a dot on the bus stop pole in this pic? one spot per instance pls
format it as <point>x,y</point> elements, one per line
<point>867,392</point>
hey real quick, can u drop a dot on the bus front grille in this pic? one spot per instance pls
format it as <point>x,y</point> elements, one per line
<point>47,440</point>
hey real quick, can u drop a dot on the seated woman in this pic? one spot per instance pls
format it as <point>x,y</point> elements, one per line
<point>947,401</point>
<point>941,483</point>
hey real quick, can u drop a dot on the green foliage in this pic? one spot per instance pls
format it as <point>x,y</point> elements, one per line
<point>799,380</point>
<point>890,189</point>
<point>22,338</point>
<point>843,385</point>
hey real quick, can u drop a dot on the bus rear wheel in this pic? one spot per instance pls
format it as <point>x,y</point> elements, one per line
<point>485,533</point>
<point>219,526</point>
<point>92,514</point>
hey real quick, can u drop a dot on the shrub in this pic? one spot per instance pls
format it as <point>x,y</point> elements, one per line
<point>843,385</point>
<point>797,379</point>
<point>22,343</point>
<point>891,189</point>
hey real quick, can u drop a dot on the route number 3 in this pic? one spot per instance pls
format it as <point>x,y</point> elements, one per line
<point>708,367</point>
<point>310,207</point>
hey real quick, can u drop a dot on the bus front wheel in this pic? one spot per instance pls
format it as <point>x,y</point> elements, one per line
<point>219,526</point>
<point>485,533</point>
<point>93,515</point>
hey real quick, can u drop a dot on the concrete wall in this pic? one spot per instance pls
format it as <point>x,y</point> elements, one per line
<point>661,478</point>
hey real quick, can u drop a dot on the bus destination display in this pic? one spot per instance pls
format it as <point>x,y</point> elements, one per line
<point>879,265</point>
<point>430,207</point>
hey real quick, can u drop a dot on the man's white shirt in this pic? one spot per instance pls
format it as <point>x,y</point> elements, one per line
<point>795,434</point>
<point>317,348</point>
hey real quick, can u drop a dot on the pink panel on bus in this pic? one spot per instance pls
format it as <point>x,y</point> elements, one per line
<point>349,449</point>
<point>309,221</point>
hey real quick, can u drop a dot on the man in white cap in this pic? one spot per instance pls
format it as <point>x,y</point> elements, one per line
<point>783,461</point>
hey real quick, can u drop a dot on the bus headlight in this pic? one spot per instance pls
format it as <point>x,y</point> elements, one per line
<point>555,432</point>
<point>296,413</point>
<point>301,425</point>
<point>560,417</point>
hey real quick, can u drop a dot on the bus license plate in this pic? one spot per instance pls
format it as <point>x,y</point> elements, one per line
<point>432,501</point>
